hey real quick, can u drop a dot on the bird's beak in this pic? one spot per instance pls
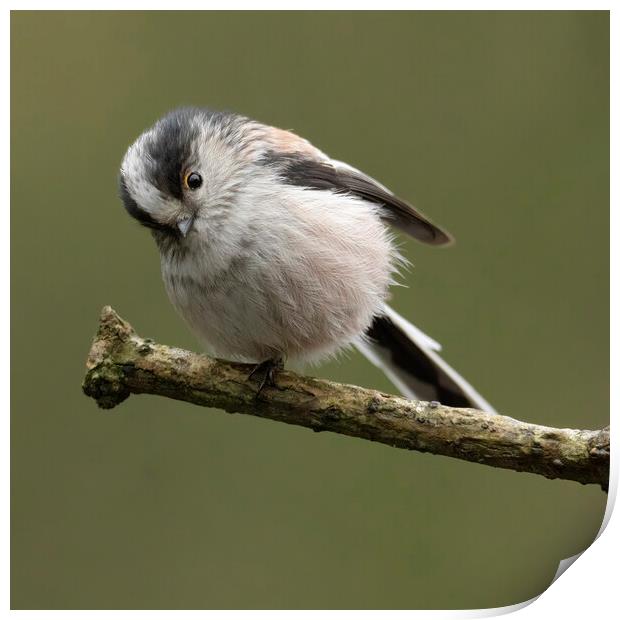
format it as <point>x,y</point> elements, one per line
<point>184,224</point>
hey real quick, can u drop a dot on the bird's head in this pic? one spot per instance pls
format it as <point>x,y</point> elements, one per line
<point>185,170</point>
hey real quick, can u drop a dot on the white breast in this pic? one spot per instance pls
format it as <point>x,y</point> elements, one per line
<point>290,271</point>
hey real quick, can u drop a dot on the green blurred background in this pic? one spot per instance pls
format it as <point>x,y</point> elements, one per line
<point>495,124</point>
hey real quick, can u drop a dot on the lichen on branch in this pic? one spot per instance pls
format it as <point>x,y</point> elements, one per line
<point>121,363</point>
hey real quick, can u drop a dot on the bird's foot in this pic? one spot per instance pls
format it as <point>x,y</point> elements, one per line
<point>266,373</point>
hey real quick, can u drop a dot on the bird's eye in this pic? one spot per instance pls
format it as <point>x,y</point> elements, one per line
<point>193,180</point>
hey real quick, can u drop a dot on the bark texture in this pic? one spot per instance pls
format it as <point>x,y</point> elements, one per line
<point>121,363</point>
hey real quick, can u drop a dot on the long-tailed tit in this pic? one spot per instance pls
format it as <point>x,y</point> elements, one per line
<point>272,251</point>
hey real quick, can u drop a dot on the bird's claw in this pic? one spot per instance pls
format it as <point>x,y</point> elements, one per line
<point>266,371</point>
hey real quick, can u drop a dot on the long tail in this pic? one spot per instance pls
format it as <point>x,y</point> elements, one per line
<point>409,359</point>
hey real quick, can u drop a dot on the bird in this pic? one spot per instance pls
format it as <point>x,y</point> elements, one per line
<point>272,252</point>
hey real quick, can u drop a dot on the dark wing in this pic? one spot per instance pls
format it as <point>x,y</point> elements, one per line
<point>315,170</point>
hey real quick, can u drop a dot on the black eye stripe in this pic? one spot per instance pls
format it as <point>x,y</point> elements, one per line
<point>168,147</point>
<point>193,180</point>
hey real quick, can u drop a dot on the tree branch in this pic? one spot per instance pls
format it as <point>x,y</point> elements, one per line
<point>121,363</point>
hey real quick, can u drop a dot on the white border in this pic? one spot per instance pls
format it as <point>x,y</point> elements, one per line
<point>588,587</point>
<point>322,5</point>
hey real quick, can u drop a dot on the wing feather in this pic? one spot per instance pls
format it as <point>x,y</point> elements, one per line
<point>299,163</point>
